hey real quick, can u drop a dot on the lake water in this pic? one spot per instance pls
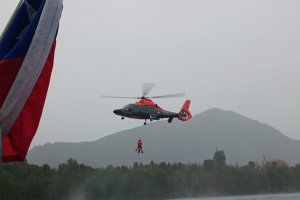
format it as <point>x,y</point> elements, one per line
<point>291,196</point>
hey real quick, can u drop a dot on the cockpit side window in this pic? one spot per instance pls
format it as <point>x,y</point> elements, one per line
<point>128,107</point>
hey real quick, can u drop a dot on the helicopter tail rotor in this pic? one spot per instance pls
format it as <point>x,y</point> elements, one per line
<point>184,113</point>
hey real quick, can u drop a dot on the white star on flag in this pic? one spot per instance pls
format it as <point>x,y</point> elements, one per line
<point>30,10</point>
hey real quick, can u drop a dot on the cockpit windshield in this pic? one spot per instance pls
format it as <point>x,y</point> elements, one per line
<point>126,107</point>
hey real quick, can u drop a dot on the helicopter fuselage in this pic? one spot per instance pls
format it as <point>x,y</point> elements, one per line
<point>146,109</point>
<point>144,112</point>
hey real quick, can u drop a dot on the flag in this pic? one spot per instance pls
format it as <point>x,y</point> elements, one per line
<point>27,48</point>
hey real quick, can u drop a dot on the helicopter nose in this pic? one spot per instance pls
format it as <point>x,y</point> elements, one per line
<point>117,111</point>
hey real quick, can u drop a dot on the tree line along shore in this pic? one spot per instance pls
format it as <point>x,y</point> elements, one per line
<point>213,177</point>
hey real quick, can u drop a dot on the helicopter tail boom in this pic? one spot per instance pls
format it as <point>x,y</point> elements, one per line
<point>184,113</point>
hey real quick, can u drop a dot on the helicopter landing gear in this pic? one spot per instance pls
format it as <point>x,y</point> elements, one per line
<point>122,118</point>
<point>170,119</point>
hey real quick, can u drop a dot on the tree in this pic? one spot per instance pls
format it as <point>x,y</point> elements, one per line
<point>219,159</point>
<point>208,164</point>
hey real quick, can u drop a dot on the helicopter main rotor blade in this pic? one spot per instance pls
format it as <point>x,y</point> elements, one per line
<point>117,97</point>
<point>168,95</point>
<point>147,87</point>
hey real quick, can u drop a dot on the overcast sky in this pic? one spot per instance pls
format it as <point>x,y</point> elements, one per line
<point>239,55</point>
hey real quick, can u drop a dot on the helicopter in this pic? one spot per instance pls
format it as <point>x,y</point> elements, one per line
<point>146,109</point>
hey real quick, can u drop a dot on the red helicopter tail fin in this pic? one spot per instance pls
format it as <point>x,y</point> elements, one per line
<point>184,113</point>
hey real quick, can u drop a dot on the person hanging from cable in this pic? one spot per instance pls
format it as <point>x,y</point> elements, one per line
<point>139,147</point>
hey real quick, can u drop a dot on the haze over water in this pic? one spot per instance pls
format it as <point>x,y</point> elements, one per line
<point>291,196</point>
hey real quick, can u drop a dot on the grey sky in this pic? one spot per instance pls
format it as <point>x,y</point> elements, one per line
<point>239,55</point>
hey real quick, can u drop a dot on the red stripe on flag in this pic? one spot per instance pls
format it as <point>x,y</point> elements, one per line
<point>8,73</point>
<point>17,142</point>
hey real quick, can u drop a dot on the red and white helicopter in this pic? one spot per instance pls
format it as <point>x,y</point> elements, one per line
<point>146,109</point>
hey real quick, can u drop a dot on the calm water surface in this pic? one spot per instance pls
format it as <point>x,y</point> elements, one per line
<point>292,196</point>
